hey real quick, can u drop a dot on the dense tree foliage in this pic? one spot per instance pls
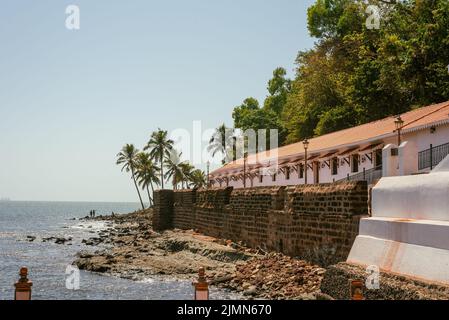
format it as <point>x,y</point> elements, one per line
<point>355,73</point>
<point>250,116</point>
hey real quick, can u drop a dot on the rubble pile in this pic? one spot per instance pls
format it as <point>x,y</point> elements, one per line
<point>274,276</point>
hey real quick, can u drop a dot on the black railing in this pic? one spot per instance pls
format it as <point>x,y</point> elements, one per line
<point>431,157</point>
<point>369,175</point>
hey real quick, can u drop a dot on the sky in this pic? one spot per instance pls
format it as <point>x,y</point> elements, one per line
<point>70,99</point>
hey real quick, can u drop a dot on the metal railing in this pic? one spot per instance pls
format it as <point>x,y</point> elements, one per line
<point>369,175</point>
<point>431,157</point>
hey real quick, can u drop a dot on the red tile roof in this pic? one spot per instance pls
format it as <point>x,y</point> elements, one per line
<point>369,133</point>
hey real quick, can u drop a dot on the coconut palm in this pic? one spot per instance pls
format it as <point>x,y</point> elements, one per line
<point>147,173</point>
<point>127,157</point>
<point>174,168</point>
<point>187,170</point>
<point>198,179</point>
<point>159,146</point>
<point>221,141</point>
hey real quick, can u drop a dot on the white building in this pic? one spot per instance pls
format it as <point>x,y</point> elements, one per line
<point>354,153</point>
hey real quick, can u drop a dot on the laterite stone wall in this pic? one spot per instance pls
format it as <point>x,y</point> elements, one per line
<point>163,210</point>
<point>296,220</point>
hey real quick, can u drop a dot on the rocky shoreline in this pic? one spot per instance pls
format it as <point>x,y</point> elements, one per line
<point>132,250</point>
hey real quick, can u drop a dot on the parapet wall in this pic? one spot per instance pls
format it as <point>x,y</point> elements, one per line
<point>296,220</point>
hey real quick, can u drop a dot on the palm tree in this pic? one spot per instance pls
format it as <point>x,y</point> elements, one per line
<point>160,147</point>
<point>147,173</point>
<point>198,179</point>
<point>220,142</point>
<point>174,168</point>
<point>127,158</point>
<point>187,170</point>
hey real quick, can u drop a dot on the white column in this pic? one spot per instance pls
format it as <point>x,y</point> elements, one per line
<point>390,161</point>
<point>408,158</point>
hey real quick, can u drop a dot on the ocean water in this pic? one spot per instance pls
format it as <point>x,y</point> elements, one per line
<point>47,261</point>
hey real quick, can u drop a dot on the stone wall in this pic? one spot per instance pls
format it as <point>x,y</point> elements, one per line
<point>163,210</point>
<point>391,286</point>
<point>313,221</point>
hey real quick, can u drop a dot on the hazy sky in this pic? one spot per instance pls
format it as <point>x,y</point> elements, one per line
<point>69,100</point>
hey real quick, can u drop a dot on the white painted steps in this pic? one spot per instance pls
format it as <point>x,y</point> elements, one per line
<point>419,262</point>
<point>408,232</point>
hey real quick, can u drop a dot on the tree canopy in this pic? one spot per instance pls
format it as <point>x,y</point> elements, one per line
<point>356,73</point>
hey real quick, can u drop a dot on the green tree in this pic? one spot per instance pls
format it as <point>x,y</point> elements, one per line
<point>198,179</point>
<point>174,168</point>
<point>278,88</point>
<point>249,116</point>
<point>220,142</point>
<point>333,19</point>
<point>160,147</point>
<point>127,158</point>
<point>355,74</point>
<point>147,173</point>
<point>317,89</point>
<point>187,171</point>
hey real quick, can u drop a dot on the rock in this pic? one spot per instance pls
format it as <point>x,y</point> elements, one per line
<point>47,239</point>
<point>57,240</point>
<point>31,238</point>
<point>62,240</point>
<point>246,285</point>
<point>101,268</point>
<point>92,241</point>
<point>85,254</point>
<point>251,291</point>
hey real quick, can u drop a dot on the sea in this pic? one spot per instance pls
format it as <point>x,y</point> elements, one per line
<point>49,263</point>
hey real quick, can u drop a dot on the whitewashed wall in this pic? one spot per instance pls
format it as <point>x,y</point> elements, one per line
<point>422,139</point>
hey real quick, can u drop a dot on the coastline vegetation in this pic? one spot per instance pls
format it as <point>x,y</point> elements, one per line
<point>147,167</point>
<point>356,72</point>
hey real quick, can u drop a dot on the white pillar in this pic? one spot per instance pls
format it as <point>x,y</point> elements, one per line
<point>408,158</point>
<point>390,161</point>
